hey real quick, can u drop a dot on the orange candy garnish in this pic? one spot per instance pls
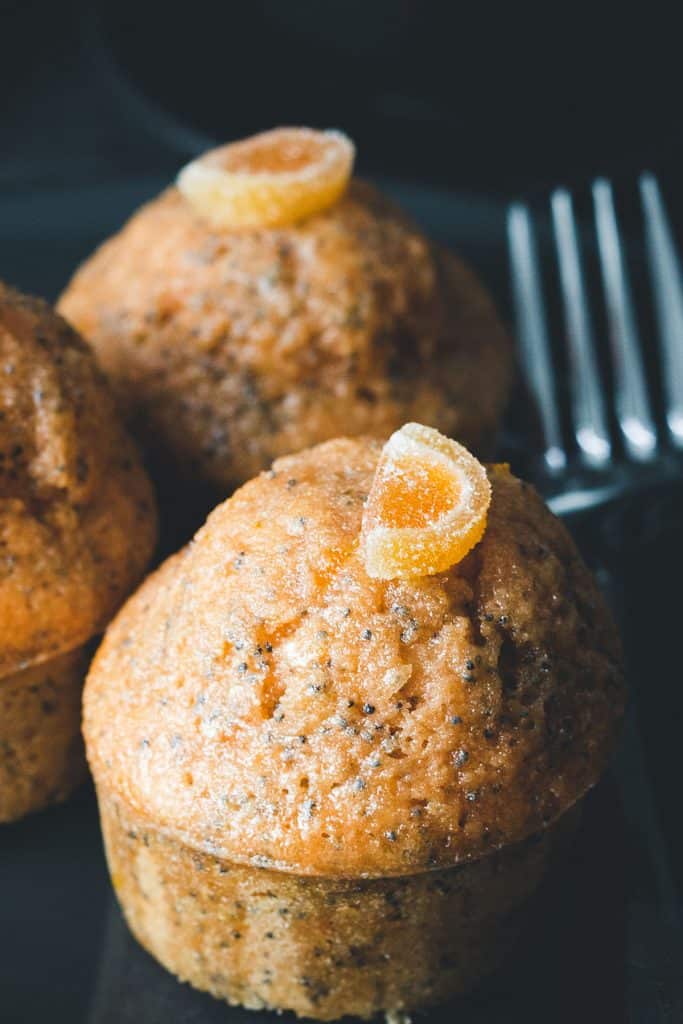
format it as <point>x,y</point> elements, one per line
<point>427,506</point>
<point>270,179</point>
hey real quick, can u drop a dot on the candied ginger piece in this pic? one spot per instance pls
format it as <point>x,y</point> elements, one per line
<point>270,179</point>
<point>427,506</point>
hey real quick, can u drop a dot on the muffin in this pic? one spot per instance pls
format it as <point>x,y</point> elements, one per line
<point>333,793</point>
<point>77,527</point>
<point>229,345</point>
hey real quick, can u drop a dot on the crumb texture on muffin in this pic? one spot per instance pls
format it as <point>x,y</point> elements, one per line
<point>229,349</point>
<point>77,519</point>
<point>262,699</point>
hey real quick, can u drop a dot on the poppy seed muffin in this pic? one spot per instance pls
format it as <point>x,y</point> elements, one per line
<point>77,527</point>
<point>230,348</point>
<point>335,794</point>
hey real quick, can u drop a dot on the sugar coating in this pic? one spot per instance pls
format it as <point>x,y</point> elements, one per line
<point>427,505</point>
<point>273,178</point>
<point>262,699</point>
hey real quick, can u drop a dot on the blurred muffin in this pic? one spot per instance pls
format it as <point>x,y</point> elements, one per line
<point>335,794</point>
<point>77,528</point>
<point>229,346</point>
<point>41,750</point>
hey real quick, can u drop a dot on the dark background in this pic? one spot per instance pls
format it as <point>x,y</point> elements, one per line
<point>457,111</point>
<point>486,98</point>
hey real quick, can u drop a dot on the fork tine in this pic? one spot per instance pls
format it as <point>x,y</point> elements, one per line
<point>665,271</point>
<point>631,399</point>
<point>588,409</point>
<point>532,332</point>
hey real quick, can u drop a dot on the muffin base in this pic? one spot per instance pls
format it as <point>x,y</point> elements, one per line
<point>322,947</point>
<point>41,750</point>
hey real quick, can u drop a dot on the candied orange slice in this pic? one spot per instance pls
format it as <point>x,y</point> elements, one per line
<point>427,505</point>
<point>270,179</point>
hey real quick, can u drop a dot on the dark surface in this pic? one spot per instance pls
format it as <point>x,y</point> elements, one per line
<point>97,113</point>
<point>53,896</point>
<point>468,96</point>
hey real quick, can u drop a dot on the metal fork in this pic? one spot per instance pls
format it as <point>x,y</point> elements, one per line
<point>618,444</point>
<point>613,450</point>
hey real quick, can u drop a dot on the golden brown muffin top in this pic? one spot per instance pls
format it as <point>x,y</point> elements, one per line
<point>77,519</point>
<point>237,347</point>
<point>265,700</point>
